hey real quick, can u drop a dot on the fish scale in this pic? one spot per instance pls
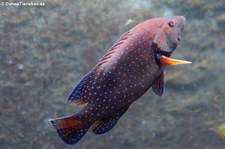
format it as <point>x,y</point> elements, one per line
<point>127,70</point>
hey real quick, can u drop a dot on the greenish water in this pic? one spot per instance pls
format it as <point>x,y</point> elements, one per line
<point>46,50</point>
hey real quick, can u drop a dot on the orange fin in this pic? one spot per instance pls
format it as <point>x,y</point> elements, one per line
<point>70,129</point>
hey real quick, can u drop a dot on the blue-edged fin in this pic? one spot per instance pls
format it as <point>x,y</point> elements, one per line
<point>158,84</point>
<point>78,95</point>
<point>70,129</point>
<point>104,125</point>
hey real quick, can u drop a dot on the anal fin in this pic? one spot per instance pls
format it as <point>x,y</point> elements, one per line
<point>104,125</point>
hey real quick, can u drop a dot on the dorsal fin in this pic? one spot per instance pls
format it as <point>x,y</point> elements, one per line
<point>80,95</point>
<point>113,48</point>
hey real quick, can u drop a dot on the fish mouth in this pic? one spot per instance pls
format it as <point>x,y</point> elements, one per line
<point>164,53</point>
<point>164,58</point>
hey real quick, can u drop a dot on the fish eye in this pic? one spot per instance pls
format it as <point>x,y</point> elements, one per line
<point>172,23</point>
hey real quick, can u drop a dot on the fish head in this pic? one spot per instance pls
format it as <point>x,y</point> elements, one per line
<point>167,38</point>
<point>169,34</point>
<point>173,29</point>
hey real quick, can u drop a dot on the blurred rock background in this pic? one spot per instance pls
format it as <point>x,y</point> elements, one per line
<point>45,51</point>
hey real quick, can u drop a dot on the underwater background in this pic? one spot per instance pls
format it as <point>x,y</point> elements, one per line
<point>46,50</point>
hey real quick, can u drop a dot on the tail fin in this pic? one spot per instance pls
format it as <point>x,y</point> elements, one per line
<point>71,128</point>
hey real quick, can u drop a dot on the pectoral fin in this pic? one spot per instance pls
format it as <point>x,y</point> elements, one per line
<point>158,85</point>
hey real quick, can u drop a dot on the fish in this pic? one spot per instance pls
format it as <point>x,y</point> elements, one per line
<point>135,63</point>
